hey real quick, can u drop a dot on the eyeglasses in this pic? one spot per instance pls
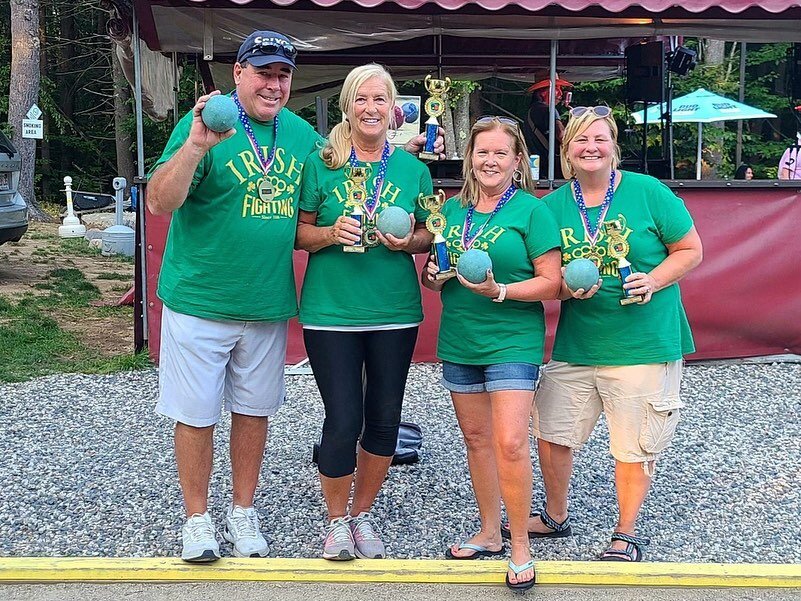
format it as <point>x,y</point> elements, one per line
<point>504,120</point>
<point>599,111</point>
<point>269,46</point>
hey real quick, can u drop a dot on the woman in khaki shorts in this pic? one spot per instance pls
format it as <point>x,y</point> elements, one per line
<point>624,359</point>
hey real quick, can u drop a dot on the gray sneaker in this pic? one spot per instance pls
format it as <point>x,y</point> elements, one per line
<point>367,543</point>
<point>242,530</point>
<point>199,539</point>
<point>338,544</point>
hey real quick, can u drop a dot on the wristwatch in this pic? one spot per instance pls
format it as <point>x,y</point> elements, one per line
<point>501,294</point>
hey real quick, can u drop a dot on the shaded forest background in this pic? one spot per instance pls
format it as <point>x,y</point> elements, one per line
<point>90,126</point>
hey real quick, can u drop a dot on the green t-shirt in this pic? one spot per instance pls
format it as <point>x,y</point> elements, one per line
<point>600,331</point>
<point>378,287</point>
<point>473,329</point>
<point>229,254</point>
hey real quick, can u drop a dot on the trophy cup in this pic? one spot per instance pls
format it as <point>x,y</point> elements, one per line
<point>619,248</point>
<point>434,107</point>
<point>357,195</point>
<point>436,225</point>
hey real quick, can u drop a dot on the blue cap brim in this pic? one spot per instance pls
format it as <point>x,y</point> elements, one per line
<point>260,60</point>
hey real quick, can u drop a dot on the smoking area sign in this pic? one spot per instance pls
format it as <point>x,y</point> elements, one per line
<point>33,128</point>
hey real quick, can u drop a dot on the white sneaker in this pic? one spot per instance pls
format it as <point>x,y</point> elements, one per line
<point>242,530</point>
<point>200,539</point>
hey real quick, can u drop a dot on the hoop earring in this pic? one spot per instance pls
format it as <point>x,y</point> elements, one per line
<point>517,176</point>
<point>346,127</point>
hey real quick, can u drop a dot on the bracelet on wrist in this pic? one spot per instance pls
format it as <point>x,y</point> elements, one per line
<point>501,294</point>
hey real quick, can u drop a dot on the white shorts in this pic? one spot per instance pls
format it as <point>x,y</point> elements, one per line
<point>203,361</point>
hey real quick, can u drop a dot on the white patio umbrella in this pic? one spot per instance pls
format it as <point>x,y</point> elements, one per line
<point>703,106</point>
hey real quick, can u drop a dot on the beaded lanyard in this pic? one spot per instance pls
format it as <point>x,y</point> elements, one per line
<point>591,230</point>
<point>265,163</point>
<point>467,239</point>
<point>371,204</point>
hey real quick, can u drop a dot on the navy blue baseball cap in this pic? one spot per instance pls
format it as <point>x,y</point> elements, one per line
<point>264,47</point>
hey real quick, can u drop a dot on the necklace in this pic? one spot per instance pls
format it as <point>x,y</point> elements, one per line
<point>467,239</point>
<point>371,203</point>
<point>591,230</point>
<point>266,190</point>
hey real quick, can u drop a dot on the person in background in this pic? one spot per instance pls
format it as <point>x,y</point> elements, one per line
<point>492,334</point>
<point>744,172</point>
<point>537,124</point>
<point>790,163</point>
<point>360,311</point>
<point>624,360</point>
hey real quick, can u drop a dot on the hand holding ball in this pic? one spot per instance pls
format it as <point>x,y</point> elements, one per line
<point>394,220</point>
<point>220,113</point>
<point>581,273</point>
<point>473,265</point>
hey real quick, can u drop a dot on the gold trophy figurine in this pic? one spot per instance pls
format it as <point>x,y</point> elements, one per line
<point>357,195</point>
<point>619,248</point>
<point>436,225</point>
<point>434,107</point>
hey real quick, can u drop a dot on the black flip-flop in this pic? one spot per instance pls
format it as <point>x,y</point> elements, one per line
<point>517,569</point>
<point>479,552</point>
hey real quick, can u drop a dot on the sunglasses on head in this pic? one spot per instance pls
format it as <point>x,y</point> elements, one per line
<point>599,111</point>
<point>504,120</point>
<point>272,47</point>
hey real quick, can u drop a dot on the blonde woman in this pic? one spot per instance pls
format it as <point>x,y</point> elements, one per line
<point>360,311</point>
<point>622,359</point>
<point>492,334</point>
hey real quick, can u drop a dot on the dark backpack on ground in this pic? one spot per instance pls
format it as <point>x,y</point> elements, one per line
<point>407,449</point>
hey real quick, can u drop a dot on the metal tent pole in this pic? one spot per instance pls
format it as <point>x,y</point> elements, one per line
<point>551,111</point>
<point>698,158</point>
<point>140,171</point>
<point>738,155</point>
<point>175,88</point>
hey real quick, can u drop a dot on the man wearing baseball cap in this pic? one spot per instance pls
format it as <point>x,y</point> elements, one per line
<point>537,124</point>
<point>227,284</point>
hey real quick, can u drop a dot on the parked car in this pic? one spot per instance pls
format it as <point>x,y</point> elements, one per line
<point>13,210</point>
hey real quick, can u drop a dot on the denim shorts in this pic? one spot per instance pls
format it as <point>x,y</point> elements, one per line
<point>468,379</point>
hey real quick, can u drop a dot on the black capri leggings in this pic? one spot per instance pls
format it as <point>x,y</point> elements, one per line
<point>353,407</point>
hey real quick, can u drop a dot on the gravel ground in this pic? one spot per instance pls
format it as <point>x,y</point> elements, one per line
<point>87,470</point>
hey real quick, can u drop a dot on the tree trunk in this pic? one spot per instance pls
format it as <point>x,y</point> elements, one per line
<point>714,54</point>
<point>24,91</point>
<point>45,168</point>
<point>122,112</point>
<point>450,133</point>
<point>461,122</point>
<point>67,93</point>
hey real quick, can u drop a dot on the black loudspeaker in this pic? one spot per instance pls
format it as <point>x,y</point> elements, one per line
<point>645,72</point>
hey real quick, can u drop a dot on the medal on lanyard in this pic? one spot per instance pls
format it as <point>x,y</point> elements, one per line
<point>266,190</point>
<point>592,231</point>
<point>370,204</point>
<point>467,239</point>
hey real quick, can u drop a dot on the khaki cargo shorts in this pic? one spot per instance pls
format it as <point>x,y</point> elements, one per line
<point>641,403</point>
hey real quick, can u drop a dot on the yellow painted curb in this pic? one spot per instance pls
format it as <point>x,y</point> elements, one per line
<point>589,573</point>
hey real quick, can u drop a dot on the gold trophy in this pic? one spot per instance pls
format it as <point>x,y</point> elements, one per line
<point>434,107</point>
<point>357,196</point>
<point>619,248</point>
<point>436,225</point>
